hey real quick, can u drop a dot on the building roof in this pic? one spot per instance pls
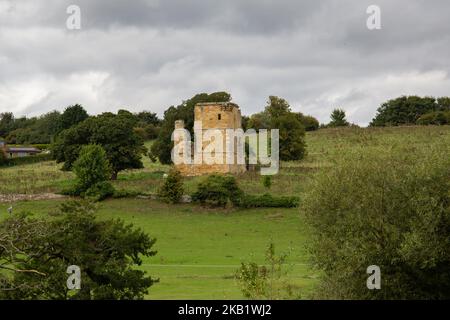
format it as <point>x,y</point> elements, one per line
<point>22,149</point>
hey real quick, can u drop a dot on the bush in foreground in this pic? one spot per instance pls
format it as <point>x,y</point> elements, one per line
<point>391,210</point>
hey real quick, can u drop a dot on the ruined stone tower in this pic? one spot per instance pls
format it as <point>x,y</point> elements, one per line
<point>220,116</point>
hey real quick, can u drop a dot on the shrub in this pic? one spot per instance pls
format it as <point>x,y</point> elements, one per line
<point>267,181</point>
<point>391,210</point>
<point>268,201</point>
<point>218,191</point>
<point>93,170</point>
<point>3,160</point>
<point>26,160</point>
<point>91,166</point>
<point>100,191</point>
<point>172,190</point>
<point>435,118</point>
<point>267,281</point>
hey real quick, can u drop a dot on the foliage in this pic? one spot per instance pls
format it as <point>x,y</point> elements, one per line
<point>435,118</point>
<point>93,171</point>
<point>218,191</point>
<point>92,166</point>
<point>338,119</point>
<point>388,209</point>
<point>35,254</point>
<point>72,115</point>
<point>292,138</point>
<point>277,115</point>
<point>309,122</point>
<point>3,159</point>
<point>267,181</point>
<point>100,191</point>
<point>268,201</point>
<point>408,109</point>
<point>172,189</point>
<point>113,132</point>
<point>26,160</point>
<point>266,282</point>
<point>37,130</point>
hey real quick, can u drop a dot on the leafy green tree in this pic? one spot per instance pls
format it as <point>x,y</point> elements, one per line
<point>406,110</point>
<point>6,123</point>
<point>93,171</point>
<point>114,133</point>
<point>435,118</point>
<point>338,118</point>
<point>277,107</point>
<point>309,122</point>
<point>277,115</point>
<point>92,166</point>
<point>260,120</point>
<point>292,137</point>
<point>389,209</point>
<point>72,115</point>
<point>147,118</point>
<point>163,145</point>
<point>172,189</point>
<point>36,252</point>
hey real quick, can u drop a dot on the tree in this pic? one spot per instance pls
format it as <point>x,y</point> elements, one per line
<point>147,118</point>
<point>338,118</point>
<point>72,115</point>
<point>292,137</point>
<point>309,122</point>
<point>406,110</point>
<point>114,133</point>
<point>277,107</point>
<point>172,189</point>
<point>163,145</point>
<point>93,171</point>
<point>389,209</point>
<point>6,123</point>
<point>277,115</point>
<point>36,252</point>
<point>435,118</point>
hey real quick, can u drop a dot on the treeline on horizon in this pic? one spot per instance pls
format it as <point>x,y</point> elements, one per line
<point>404,110</point>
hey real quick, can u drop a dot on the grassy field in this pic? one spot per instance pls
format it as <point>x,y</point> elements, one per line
<point>199,249</point>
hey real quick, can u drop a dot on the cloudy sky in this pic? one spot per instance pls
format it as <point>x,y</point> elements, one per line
<point>150,54</point>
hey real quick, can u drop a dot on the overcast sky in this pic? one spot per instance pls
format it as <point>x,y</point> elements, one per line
<point>150,54</point>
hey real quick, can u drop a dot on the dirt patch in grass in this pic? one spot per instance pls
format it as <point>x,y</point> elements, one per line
<point>29,197</point>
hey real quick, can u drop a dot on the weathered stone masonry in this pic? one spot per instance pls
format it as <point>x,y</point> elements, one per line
<point>215,115</point>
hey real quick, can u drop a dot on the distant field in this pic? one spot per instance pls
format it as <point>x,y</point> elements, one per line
<point>199,249</point>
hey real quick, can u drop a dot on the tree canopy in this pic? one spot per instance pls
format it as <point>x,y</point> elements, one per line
<point>124,148</point>
<point>407,110</point>
<point>36,252</point>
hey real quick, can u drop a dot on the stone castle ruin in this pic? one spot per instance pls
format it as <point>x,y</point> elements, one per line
<point>220,116</point>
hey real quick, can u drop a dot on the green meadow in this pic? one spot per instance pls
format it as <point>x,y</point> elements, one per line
<point>199,249</point>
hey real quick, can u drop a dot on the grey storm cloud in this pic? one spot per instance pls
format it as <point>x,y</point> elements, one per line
<point>150,54</point>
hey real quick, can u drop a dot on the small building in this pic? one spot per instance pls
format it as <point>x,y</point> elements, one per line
<point>18,152</point>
